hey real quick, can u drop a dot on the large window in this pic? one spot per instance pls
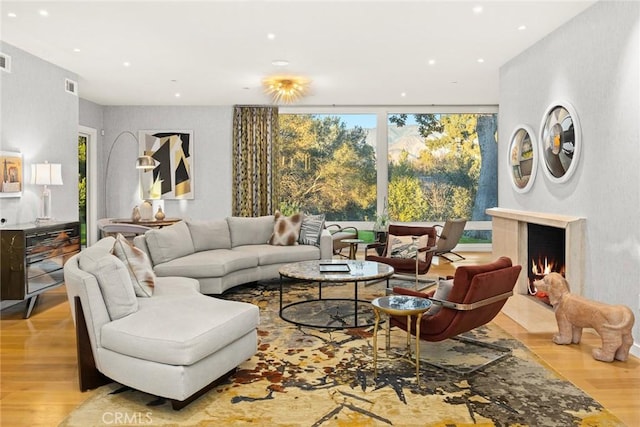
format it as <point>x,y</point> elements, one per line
<point>439,164</point>
<point>328,165</point>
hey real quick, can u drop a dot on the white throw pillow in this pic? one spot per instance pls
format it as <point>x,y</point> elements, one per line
<point>115,286</point>
<point>169,243</point>
<point>139,266</point>
<point>442,293</point>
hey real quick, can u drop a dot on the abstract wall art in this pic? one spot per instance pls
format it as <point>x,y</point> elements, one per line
<point>12,174</point>
<point>172,177</point>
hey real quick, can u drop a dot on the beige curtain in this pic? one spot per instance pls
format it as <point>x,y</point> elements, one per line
<point>255,151</point>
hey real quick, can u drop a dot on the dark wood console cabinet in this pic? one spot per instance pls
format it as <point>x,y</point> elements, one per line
<point>32,257</point>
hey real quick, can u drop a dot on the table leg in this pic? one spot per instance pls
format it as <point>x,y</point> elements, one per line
<point>418,321</point>
<point>409,336</point>
<point>375,343</point>
<point>388,336</point>
<point>280,295</point>
<point>355,305</point>
<point>352,250</point>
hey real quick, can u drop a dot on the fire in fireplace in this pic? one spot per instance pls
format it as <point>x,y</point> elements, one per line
<point>546,254</point>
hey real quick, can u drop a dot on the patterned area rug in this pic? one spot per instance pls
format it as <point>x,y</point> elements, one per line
<point>305,376</point>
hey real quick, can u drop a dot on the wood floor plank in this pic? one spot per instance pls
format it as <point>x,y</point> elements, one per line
<point>39,386</point>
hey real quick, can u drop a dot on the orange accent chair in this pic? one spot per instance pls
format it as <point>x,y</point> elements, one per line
<point>478,294</point>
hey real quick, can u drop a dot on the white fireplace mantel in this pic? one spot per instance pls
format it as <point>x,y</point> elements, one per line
<point>510,239</point>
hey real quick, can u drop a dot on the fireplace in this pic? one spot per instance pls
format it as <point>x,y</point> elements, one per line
<point>511,238</point>
<point>545,254</point>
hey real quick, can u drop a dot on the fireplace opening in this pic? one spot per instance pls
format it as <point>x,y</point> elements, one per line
<point>546,254</point>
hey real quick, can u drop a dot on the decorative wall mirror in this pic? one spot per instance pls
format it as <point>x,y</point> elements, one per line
<point>560,141</point>
<point>523,158</point>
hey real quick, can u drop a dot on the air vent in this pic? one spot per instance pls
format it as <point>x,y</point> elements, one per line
<point>71,86</point>
<point>5,62</point>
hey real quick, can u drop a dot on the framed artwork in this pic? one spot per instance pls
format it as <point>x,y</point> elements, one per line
<point>560,141</point>
<point>523,158</point>
<point>172,177</point>
<point>12,174</point>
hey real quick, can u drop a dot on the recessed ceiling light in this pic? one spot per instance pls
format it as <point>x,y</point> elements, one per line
<point>178,95</point>
<point>280,62</point>
<point>75,49</point>
<point>480,60</point>
<point>477,9</point>
<point>12,15</point>
<point>271,36</point>
<point>126,64</point>
<point>43,12</point>
<point>432,61</point>
<point>403,94</point>
<point>522,27</point>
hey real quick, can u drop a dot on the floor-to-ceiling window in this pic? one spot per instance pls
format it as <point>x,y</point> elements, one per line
<point>328,165</point>
<point>421,165</point>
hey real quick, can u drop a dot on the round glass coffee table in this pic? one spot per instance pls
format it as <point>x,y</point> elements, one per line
<point>399,305</point>
<point>336,313</point>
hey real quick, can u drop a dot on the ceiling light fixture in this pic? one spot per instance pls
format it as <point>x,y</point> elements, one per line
<point>432,61</point>
<point>477,10</point>
<point>271,36</point>
<point>480,60</point>
<point>126,64</point>
<point>280,62</point>
<point>12,15</point>
<point>522,27</point>
<point>285,89</point>
<point>43,12</point>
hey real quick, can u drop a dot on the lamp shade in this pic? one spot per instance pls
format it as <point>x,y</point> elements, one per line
<point>145,162</point>
<point>46,174</point>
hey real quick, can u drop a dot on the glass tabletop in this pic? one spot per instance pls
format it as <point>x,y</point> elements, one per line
<point>402,304</point>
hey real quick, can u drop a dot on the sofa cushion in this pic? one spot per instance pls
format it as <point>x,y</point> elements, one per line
<point>138,265</point>
<point>311,230</point>
<point>169,243</point>
<point>286,230</point>
<point>250,231</point>
<point>268,254</point>
<point>114,282</point>
<point>212,234</point>
<point>179,330</point>
<point>214,263</point>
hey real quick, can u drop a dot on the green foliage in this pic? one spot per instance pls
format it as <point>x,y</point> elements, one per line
<point>407,201</point>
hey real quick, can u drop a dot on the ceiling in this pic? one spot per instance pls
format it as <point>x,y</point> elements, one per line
<point>218,52</point>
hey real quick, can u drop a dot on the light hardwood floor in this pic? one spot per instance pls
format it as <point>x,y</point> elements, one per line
<point>38,378</point>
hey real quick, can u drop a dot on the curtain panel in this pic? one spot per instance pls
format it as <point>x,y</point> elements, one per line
<point>255,154</point>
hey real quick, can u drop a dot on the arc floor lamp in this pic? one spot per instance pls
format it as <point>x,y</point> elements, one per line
<point>143,162</point>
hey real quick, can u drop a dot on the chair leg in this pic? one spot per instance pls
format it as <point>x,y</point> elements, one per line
<point>442,255</point>
<point>506,352</point>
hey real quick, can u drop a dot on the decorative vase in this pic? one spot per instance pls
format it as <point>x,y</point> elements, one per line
<point>135,215</point>
<point>160,214</point>
<point>146,211</point>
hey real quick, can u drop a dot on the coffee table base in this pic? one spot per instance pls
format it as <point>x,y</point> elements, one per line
<point>331,313</point>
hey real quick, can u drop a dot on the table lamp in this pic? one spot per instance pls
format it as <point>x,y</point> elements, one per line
<point>46,174</point>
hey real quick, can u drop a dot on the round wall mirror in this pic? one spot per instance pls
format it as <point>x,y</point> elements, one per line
<point>523,159</point>
<point>560,141</point>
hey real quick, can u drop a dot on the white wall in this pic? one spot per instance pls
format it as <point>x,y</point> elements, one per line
<point>592,62</point>
<point>40,120</point>
<point>212,132</point>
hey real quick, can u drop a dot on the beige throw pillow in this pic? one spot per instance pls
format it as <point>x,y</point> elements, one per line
<point>442,293</point>
<point>286,230</point>
<point>138,264</point>
<point>115,285</point>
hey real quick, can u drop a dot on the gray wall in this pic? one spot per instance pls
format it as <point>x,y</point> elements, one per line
<point>40,120</point>
<point>592,62</point>
<point>211,126</point>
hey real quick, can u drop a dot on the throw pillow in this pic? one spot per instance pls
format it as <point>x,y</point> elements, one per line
<point>404,247</point>
<point>139,266</point>
<point>115,286</point>
<point>250,230</point>
<point>169,243</point>
<point>286,230</point>
<point>442,293</point>
<point>311,229</point>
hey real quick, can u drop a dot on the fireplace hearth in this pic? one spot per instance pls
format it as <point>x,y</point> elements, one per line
<point>511,238</point>
<point>545,254</point>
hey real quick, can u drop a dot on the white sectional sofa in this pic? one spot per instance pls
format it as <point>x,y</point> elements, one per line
<point>222,253</point>
<point>170,340</point>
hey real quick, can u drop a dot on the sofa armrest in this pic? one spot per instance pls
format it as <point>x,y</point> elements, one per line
<point>326,245</point>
